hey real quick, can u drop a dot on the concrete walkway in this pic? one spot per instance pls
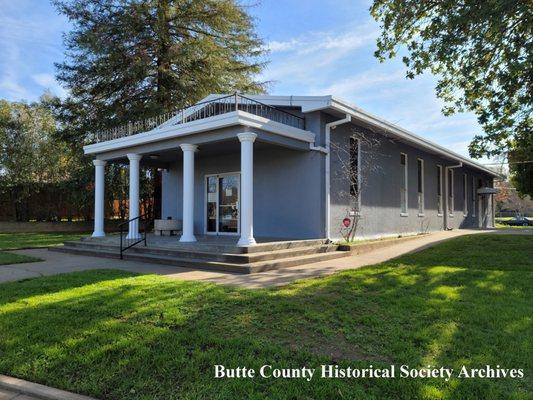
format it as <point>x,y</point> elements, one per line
<point>19,389</point>
<point>11,395</point>
<point>57,263</point>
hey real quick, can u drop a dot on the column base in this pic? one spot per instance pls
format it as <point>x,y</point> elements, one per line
<point>187,238</point>
<point>133,236</point>
<point>246,241</point>
<point>98,234</point>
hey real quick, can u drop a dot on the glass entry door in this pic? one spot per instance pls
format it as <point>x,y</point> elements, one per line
<point>222,211</point>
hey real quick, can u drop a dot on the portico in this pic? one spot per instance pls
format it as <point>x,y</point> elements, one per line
<point>220,150</point>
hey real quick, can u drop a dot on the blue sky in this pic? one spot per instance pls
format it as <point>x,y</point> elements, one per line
<point>316,48</point>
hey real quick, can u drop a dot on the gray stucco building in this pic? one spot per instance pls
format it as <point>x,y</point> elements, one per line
<point>293,167</point>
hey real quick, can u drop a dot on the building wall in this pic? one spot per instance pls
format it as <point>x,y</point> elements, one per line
<point>287,193</point>
<point>381,177</point>
<point>289,188</point>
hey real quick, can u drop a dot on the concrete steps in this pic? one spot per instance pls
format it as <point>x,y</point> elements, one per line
<point>263,257</point>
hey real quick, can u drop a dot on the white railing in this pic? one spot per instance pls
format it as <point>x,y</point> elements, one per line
<point>210,108</point>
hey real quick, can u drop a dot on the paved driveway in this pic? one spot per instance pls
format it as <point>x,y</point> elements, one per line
<point>57,263</point>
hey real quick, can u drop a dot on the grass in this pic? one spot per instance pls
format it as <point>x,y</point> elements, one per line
<point>14,241</point>
<point>12,258</point>
<point>504,226</point>
<point>383,239</point>
<point>116,335</point>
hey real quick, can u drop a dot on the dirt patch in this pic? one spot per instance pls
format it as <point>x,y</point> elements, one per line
<point>337,348</point>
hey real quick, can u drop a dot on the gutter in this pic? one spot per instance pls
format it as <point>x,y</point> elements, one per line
<point>446,184</point>
<point>329,126</point>
<point>401,133</point>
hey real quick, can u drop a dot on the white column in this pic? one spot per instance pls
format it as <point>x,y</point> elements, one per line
<point>188,192</point>
<point>247,189</point>
<point>133,232</point>
<point>99,187</point>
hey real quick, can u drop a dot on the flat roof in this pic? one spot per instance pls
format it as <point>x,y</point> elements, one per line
<point>332,103</point>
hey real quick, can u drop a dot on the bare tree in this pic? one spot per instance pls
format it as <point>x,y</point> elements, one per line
<point>357,160</point>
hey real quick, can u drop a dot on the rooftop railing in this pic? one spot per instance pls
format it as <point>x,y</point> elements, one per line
<point>206,109</point>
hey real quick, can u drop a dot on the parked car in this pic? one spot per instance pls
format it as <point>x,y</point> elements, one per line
<point>519,221</point>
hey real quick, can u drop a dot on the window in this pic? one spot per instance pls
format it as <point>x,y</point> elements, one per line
<point>465,196</point>
<point>420,177</point>
<point>473,197</point>
<point>439,190</point>
<point>355,170</point>
<point>403,187</point>
<point>450,192</point>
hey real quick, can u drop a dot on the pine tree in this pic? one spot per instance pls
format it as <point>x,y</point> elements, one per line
<point>131,59</point>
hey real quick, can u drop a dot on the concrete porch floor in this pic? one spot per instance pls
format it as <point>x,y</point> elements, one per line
<point>57,263</point>
<point>203,242</point>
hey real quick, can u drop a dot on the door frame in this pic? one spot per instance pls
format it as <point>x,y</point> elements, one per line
<point>206,177</point>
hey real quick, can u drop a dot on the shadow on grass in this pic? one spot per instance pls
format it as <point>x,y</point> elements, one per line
<point>114,335</point>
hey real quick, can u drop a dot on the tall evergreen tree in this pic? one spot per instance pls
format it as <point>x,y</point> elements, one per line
<point>130,59</point>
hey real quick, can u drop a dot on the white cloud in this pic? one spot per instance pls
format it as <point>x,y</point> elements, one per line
<point>48,81</point>
<point>25,37</point>
<point>276,46</point>
<point>353,38</point>
<point>356,84</point>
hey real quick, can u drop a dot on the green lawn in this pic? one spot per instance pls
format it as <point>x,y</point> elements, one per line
<point>503,226</point>
<point>116,335</point>
<point>13,241</point>
<point>11,258</point>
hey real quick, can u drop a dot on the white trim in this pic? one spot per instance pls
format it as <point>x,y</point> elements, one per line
<point>315,103</point>
<point>358,178</point>
<point>203,125</point>
<point>406,181</point>
<point>474,195</point>
<point>465,195</point>
<point>451,190</point>
<point>327,168</point>
<point>359,155</point>
<point>376,121</point>
<point>206,177</point>
<point>440,205</point>
<point>421,199</point>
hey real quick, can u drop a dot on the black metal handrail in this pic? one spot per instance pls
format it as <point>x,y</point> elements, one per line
<point>205,109</point>
<point>138,224</point>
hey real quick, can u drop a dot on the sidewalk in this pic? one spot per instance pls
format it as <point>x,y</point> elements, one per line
<point>19,389</point>
<point>57,263</point>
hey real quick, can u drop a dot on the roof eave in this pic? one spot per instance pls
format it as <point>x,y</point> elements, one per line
<point>362,115</point>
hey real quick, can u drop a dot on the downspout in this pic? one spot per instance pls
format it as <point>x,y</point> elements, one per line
<point>446,197</point>
<point>329,126</point>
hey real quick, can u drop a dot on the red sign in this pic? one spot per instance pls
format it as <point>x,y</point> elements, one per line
<point>346,222</point>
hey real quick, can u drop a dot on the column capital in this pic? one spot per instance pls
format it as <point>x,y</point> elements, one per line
<point>247,136</point>
<point>99,163</point>
<point>134,157</point>
<point>189,147</point>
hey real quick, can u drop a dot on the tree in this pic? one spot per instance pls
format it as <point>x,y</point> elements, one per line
<point>30,155</point>
<point>482,52</point>
<point>128,60</point>
<point>350,175</point>
<point>521,164</point>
